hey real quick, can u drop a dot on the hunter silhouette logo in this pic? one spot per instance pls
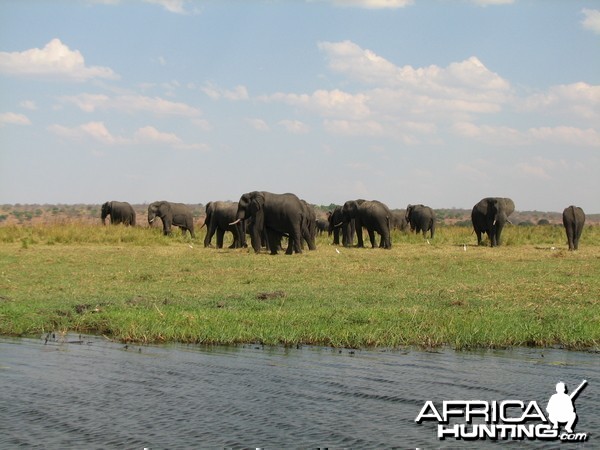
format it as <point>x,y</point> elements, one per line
<point>506,419</point>
<point>560,406</point>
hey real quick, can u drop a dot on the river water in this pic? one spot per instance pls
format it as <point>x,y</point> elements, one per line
<point>88,392</point>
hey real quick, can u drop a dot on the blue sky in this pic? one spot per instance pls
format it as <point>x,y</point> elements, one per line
<point>436,102</point>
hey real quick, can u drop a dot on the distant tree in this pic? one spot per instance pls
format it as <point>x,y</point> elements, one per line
<point>543,222</point>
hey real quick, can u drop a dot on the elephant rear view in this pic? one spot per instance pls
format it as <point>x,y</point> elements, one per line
<point>489,216</point>
<point>573,220</point>
<point>420,218</point>
<point>176,214</point>
<point>119,212</point>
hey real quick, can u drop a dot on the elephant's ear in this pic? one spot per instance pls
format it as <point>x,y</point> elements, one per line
<point>258,201</point>
<point>164,208</point>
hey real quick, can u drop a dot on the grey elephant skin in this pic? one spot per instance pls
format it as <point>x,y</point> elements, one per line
<point>119,212</point>
<point>218,217</point>
<point>337,226</point>
<point>573,220</point>
<point>421,218</point>
<point>489,216</point>
<point>374,215</point>
<point>172,214</point>
<point>276,215</point>
<point>309,225</point>
<point>399,220</point>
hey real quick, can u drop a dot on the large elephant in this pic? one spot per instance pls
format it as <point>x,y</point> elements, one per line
<point>420,218</point>
<point>573,220</point>
<point>489,216</point>
<point>337,226</point>
<point>119,212</point>
<point>218,217</point>
<point>176,214</point>
<point>276,214</point>
<point>374,216</point>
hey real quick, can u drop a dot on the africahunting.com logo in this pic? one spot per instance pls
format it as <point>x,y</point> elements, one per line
<point>507,419</point>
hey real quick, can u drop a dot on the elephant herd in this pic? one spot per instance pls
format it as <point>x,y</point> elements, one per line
<point>267,218</point>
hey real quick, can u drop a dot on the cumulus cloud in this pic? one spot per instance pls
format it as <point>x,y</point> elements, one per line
<point>579,99</point>
<point>373,4</point>
<point>55,60</point>
<point>460,79</point>
<point>147,135</point>
<point>10,118</point>
<point>294,126</point>
<point>131,104</point>
<point>591,20</point>
<point>501,135</point>
<point>492,2</point>
<point>327,103</point>
<point>236,94</point>
<point>258,124</point>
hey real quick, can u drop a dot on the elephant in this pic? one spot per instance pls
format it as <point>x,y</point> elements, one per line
<point>218,217</point>
<point>170,213</point>
<point>336,222</point>
<point>309,225</point>
<point>489,216</point>
<point>119,212</point>
<point>276,214</point>
<point>399,220</point>
<point>420,218</point>
<point>374,216</point>
<point>573,220</point>
<point>322,225</point>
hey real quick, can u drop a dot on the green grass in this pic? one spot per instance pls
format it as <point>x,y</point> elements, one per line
<point>133,284</point>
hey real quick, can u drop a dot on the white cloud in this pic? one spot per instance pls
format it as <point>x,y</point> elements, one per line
<point>28,104</point>
<point>592,20</point>
<point>507,136</point>
<point>295,126</point>
<point>55,60</point>
<point>174,6</point>
<point>354,128</point>
<point>492,2</point>
<point>258,124</point>
<point>579,99</point>
<point>530,170</point>
<point>236,94</point>
<point>151,134</point>
<point>333,103</point>
<point>374,4</point>
<point>10,118</point>
<point>94,130</point>
<point>566,136</point>
<point>147,135</point>
<point>131,104</point>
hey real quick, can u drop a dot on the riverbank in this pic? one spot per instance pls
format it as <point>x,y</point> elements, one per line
<point>135,285</point>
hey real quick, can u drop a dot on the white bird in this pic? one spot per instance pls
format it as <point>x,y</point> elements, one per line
<point>337,250</point>
<point>465,247</point>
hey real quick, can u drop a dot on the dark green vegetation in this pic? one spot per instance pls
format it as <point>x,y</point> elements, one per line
<point>133,284</point>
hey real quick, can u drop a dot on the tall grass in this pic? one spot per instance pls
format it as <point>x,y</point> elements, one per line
<point>134,284</point>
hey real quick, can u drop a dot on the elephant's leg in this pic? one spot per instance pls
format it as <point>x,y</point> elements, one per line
<point>371,233</point>
<point>336,236</point>
<point>220,235</point>
<point>166,227</point>
<point>274,240</point>
<point>478,233</point>
<point>359,236</point>
<point>210,231</point>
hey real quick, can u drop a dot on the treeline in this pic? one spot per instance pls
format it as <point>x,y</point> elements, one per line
<point>39,213</point>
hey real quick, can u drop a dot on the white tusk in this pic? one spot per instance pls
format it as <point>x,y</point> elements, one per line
<point>338,225</point>
<point>236,222</point>
<point>151,220</point>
